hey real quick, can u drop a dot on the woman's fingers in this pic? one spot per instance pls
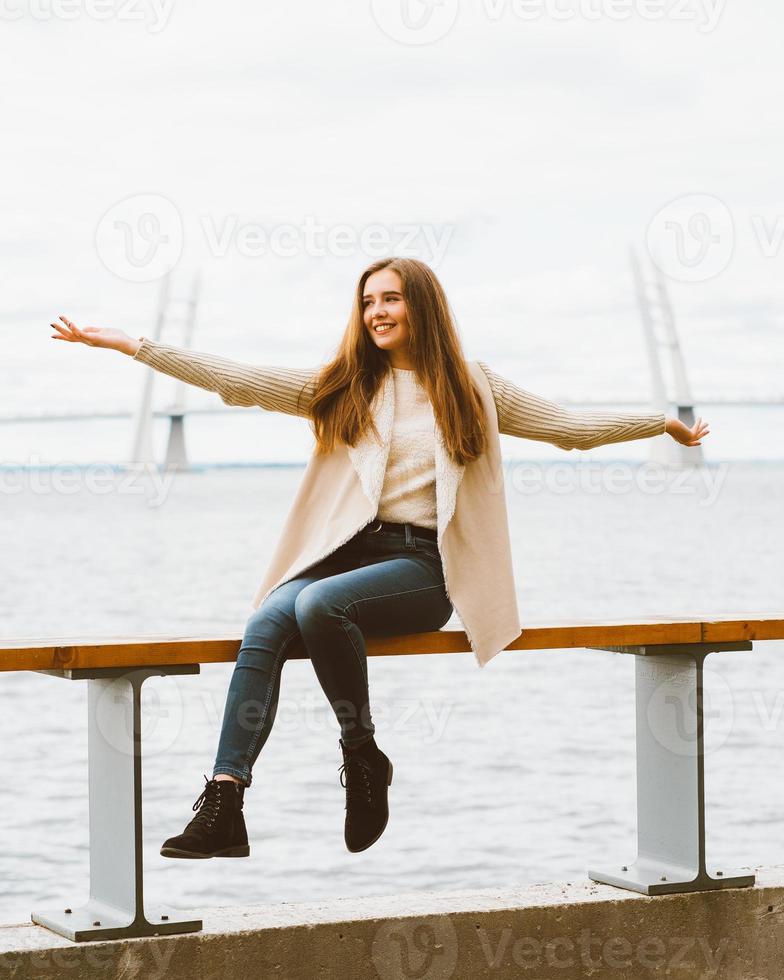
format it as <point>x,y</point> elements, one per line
<point>71,326</point>
<point>63,335</point>
<point>691,436</point>
<point>67,330</point>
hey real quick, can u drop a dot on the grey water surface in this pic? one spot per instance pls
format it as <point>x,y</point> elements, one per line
<point>520,772</point>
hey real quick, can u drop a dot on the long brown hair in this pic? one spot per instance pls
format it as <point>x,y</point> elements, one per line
<point>340,408</point>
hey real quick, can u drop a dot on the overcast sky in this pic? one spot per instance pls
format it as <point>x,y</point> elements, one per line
<point>520,148</point>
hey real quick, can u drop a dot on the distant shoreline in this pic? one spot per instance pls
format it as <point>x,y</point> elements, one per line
<point>284,465</point>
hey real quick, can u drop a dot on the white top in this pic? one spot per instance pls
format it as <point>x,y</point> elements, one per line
<point>408,494</point>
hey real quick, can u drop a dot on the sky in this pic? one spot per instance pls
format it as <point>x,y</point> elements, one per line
<point>520,148</point>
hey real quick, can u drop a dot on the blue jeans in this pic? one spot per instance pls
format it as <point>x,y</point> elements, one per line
<point>386,581</point>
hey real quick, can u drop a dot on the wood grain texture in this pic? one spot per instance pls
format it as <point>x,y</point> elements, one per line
<point>52,653</point>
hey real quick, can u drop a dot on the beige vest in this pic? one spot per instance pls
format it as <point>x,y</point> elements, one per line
<point>339,495</point>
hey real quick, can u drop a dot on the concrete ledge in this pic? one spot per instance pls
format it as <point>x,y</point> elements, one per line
<point>571,932</point>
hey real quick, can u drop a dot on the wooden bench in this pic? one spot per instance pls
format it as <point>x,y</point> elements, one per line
<point>669,741</point>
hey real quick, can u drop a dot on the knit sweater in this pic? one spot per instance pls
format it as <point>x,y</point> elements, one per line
<point>283,389</point>
<point>408,494</point>
<point>340,491</point>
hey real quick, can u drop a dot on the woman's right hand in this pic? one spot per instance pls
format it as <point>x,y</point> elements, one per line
<point>95,336</point>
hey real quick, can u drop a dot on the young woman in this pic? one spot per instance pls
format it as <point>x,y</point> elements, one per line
<point>378,539</point>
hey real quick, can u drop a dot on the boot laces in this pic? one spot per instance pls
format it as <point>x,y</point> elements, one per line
<point>355,777</point>
<point>208,803</point>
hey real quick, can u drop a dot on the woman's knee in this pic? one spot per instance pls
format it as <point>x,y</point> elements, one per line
<point>316,607</point>
<point>267,636</point>
<point>274,616</point>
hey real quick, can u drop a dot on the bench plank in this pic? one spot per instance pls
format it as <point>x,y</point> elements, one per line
<point>59,653</point>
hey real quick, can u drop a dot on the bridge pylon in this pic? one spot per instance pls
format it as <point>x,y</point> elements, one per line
<point>171,310</point>
<point>666,363</point>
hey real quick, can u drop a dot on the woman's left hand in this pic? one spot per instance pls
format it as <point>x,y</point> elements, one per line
<point>683,434</point>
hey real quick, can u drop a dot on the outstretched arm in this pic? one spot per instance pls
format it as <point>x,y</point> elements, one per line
<point>523,414</point>
<point>276,389</point>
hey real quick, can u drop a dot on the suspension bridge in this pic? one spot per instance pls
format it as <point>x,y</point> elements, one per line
<point>671,391</point>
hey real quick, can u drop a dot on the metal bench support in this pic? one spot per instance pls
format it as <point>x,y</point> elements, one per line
<point>115,908</point>
<point>670,774</point>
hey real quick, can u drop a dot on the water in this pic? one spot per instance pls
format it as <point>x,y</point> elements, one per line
<point>521,772</point>
<point>506,775</point>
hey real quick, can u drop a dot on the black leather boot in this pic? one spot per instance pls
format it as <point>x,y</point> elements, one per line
<point>368,773</point>
<point>218,829</point>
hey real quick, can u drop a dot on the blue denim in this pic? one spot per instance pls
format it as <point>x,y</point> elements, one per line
<point>387,581</point>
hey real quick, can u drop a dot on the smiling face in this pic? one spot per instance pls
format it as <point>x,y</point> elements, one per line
<point>384,315</point>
